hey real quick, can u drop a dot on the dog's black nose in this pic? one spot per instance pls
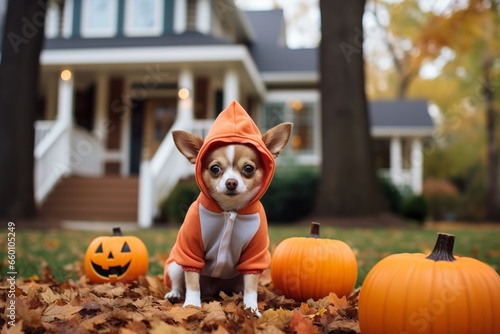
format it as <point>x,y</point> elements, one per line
<point>231,184</point>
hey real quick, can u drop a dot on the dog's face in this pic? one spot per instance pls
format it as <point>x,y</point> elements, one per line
<point>233,175</point>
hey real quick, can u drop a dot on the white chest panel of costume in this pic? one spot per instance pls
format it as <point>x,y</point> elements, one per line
<point>225,235</point>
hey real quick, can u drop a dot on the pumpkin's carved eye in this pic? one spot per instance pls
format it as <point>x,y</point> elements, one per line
<point>125,248</point>
<point>99,249</point>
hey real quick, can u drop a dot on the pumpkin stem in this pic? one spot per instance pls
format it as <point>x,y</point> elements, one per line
<point>117,231</point>
<point>314,230</point>
<point>443,250</point>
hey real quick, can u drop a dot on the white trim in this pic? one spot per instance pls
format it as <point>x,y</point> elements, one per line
<point>52,20</point>
<point>308,95</point>
<point>288,77</point>
<point>131,55</point>
<point>67,27</point>
<point>112,20</point>
<point>203,16</point>
<point>180,16</point>
<point>158,13</point>
<point>162,54</point>
<point>402,131</point>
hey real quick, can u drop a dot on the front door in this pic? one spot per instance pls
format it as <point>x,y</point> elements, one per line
<point>159,115</point>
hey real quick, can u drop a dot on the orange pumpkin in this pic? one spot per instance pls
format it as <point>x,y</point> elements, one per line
<point>304,268</point>
<point>116,258</point>
<point>437,293</point>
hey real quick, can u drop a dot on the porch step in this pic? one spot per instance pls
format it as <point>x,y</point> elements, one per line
<point>93,199</point>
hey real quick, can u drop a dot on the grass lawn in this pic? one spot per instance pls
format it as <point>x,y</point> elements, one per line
<point>63,250</point>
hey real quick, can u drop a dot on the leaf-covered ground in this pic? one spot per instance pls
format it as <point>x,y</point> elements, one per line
<point>63,250</point>
<point>68,303</point>
<point>46,306</point>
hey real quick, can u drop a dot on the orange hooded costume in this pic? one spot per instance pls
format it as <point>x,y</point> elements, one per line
<point>225,244</point>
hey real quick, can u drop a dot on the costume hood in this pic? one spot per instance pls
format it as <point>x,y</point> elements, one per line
<point>235,126</point>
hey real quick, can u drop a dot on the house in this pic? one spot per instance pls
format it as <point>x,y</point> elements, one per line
<point>119,75</point>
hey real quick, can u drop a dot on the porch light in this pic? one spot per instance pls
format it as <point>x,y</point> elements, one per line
<point>296,104</point>
<point>66,75</point>
<point>183,93</point>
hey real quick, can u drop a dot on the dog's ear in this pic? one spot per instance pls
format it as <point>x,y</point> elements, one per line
<point>188,144</point>
<point>276,138</point>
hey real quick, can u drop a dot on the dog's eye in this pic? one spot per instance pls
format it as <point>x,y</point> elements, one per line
<point>248,169</point>
<point>215,169</point>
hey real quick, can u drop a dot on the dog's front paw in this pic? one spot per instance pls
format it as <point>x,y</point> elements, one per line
<point>250,301</point>
<point>173,296</point>
<point>193,298</point>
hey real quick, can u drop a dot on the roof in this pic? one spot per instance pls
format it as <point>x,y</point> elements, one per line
<point>189,38</point>
<point>400,117</point>
<point>268,49</point>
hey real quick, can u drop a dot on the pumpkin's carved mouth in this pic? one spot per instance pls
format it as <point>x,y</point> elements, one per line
<point>114,270</point>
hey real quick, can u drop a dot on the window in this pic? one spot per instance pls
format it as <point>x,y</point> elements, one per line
<point>99,18</point>
<point>144,17</point>
<point>301,114</point>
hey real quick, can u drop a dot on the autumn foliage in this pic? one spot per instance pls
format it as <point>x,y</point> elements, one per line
<point>44,305</point>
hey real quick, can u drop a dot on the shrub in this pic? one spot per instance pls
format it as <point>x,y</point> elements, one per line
<point>391,193</point>
<point>415,207</point>
<point>291,194</point>
<point>403,202</point>
<point>174,208</point>
<point>443,198</point>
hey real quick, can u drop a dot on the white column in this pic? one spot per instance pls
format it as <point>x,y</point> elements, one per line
<point>65,98</point>
<point>67,28</point>
<point>396,160</point>
<point>100,107</point>
<point>126,119</point>
<point>204,16</point>
<point>63,164</point>
<point>185,105</point>
<point>51,102</point>
<point>146,198</point>
<point>180,16</point>
<point>52,20</point>
<point>417,161</point>
<point>231,87</point>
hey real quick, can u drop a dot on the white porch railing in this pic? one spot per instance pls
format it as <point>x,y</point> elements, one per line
<point>86,153</point>
<point>168,166</point>
<point>52,160</point>
<point>42,128</point>
<point>62,149</point>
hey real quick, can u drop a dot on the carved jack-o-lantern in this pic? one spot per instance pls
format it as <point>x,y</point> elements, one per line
<point>116,258</point>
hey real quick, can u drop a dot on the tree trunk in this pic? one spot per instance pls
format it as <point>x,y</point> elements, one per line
<point>492,195</point>
<point>19,76</point>
<point>348,184</point>
<point>404,84</point>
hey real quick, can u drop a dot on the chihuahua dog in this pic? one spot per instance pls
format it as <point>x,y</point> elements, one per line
<point>223,242</point>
